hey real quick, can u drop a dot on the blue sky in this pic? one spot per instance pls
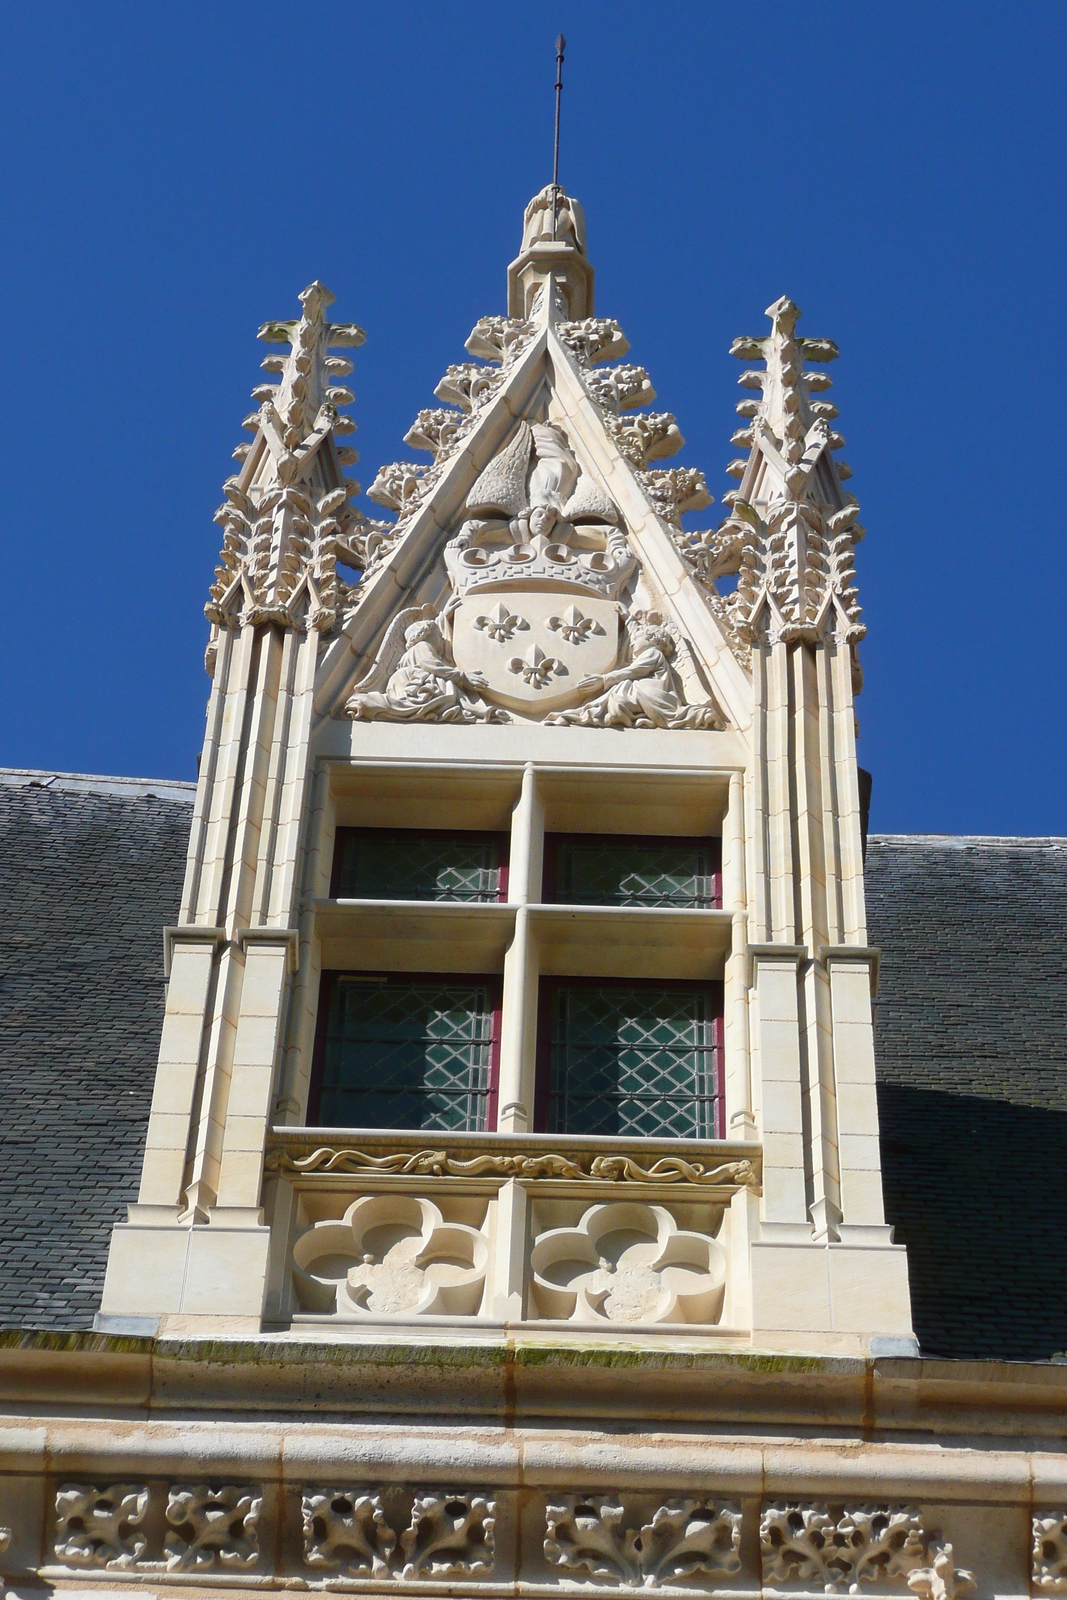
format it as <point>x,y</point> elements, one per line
<point>174,175</point>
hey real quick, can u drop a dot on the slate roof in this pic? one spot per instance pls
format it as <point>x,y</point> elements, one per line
<point>971,1034</point>
<point>90,873</point>
<point>971,1047</point>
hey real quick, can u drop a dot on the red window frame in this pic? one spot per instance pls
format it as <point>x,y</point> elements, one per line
<point>328,982</point>
<point>546,991</point>
<point>550,878</point>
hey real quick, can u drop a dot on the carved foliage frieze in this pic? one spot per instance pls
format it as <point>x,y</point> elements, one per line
<point>1050,1552</point>
<point>352,1531</point>
<point>582,1165</point>
<point>393,1535</point>
<point>591,1534</point>
<point>206,1527</point>
<point>101,1527</point>
<point>836,1549</point>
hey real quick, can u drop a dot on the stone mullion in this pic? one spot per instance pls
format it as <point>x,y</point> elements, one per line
<point>518,1022</point>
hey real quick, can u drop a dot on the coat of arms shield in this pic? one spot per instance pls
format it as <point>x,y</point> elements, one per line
<point>536,650</point>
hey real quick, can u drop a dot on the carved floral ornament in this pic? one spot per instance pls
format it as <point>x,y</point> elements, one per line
<point>605,1539</point>
<point>207,1527</point>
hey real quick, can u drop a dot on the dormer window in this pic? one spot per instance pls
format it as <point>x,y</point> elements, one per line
<point>406,864</point>
<point>619,870</point>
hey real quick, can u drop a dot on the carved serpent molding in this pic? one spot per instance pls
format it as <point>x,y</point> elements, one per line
<point>583,1166</point>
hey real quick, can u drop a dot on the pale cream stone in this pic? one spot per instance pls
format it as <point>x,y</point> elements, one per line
<point>226,1272</point>
<point>869,1290</point>
<point>145,1270</point>
<point>790,1288</point>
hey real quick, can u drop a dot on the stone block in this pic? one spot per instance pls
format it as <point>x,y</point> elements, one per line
<point>869,1290</point>
<point>226,1273</point>
<point>790,1288</point>
<point>145,1271</point>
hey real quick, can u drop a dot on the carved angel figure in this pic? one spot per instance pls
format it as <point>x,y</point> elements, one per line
<point>425,685</point>
<point>645,692</point>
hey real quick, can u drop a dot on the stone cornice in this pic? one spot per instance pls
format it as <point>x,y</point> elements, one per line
<point>532,1377</point>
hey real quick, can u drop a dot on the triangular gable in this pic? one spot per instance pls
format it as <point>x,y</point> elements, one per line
<point>547,376</point>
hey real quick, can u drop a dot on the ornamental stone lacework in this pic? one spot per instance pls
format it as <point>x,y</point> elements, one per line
<point>530,534</point>
<point>352,1532</point>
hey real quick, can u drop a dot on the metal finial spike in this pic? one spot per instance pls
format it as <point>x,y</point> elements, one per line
<point>561,45</point>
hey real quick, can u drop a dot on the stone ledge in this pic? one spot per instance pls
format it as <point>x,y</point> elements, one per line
<point>513,1377</point>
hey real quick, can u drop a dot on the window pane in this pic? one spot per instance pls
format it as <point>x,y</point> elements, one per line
<point>638,1061</point>
<point>624,872</point>
<point>407,1055</point>
<point>413,866</point>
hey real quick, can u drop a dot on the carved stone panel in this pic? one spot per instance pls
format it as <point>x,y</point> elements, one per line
<point>101,1527</point>
<point>391,1255</point>
<point>538,655</point>
<point>365,1533</point>
<point>593,1536</point>
<point>627,1262</point>
<point>833,1549</point>
<point>1050,1552</point>
<point>212,1528</point>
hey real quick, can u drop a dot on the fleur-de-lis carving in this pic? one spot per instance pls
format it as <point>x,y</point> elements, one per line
<point>573,626</point>
<point>502,624</point>
<point>536,668</point>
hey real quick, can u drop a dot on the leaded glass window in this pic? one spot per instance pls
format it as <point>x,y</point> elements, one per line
<point>379,864</point>
<point>635,1059</point>
<point>606,870</point>
<point>407,1054</point>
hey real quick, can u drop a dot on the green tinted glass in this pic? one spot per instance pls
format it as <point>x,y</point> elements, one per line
<point>413,866</point>
<point>407,1055</point>
<point>633,1061</point>
<point>604,871</point>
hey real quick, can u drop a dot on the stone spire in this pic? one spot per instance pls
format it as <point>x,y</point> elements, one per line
<point>792,531</point>
<point>286,516</point>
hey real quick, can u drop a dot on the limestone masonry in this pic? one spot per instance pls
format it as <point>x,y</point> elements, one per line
<point>509,1216</point>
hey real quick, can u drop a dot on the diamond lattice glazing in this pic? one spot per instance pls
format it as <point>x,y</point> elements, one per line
<point>407,1055</point>
<point>638,1061</point>
<point>412,866</point>
<point>612,872</point>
